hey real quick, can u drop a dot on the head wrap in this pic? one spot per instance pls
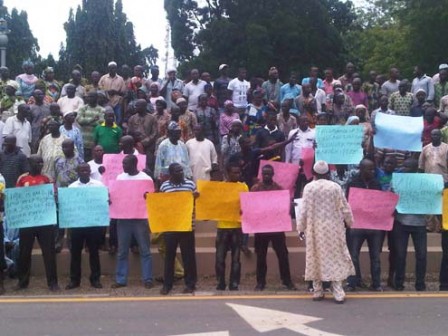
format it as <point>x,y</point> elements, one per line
<point>13,84</point>
<point>112,63</point>
<point>321,168</point>
<point>351,119</point>
<point>443,66</point>
<point>360,106</point>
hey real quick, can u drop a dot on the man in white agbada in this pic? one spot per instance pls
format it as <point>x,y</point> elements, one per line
<point>324,215</point>
<point>202,153</point>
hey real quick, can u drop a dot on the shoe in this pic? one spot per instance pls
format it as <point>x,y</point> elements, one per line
<point>290,286</point>
<point>188,290</point>
<point>376,289</point>
<point>164,291</point>
<point>399,288</point>
<point>318,298</point>
<point>96,284</point>
<point>221,286</point>
<point>117,285</point>
<point>112,250</point>
<point>149,285</point>
<point>349,288</point>
<point>259,287</point>
<point>54,288</point>
<point>420,288</point>
<point>339,301</point>
<point>72,285</point>
<point>233,288</point>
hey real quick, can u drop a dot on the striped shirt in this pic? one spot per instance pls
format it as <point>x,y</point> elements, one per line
<point>185,185</point>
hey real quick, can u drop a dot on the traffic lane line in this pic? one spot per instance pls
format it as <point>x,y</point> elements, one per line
<point>55,299</point>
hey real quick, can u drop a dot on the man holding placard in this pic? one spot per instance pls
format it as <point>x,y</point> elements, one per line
<point>44,234</point>
<point>185,239</point>
<point>89,236</point>
<point>365,179</point>
<point>278,239</point>
<point>137,228</point>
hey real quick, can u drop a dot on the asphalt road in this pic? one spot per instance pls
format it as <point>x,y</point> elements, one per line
<point>385,314</point>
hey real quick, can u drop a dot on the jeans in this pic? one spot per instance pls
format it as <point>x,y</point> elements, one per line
<point>443,277</point>
<point>228,239</point>
<point>118,114</point>
<point>185,240</point>
<point>45,237</point>
<point>278,240</point>
<point>374,240</point>
<point>90,237</point>
<point>401,237</point>
<point>139,229</point>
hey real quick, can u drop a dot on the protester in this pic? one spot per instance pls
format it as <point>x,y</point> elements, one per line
<point>85,236</point>
<point>278,239</point>
<point>186,240</point>
<point>325,214</point>
<point>133,228</point>
<point>108,133</point>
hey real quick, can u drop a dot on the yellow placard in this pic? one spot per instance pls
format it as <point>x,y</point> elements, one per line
<point>219,200</point>
<point>445,210</point>
<point>168,212</point>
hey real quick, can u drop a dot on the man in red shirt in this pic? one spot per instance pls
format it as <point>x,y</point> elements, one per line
<point>44,234</point>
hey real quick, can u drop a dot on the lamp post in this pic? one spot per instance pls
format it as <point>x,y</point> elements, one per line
<point>4,31</point>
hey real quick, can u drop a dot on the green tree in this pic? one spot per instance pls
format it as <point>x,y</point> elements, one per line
<point>22,45</point>
<point>98,33</point>
<point>290,34</point>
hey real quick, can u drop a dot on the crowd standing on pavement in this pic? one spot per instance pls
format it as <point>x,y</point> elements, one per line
<point>197,129</point>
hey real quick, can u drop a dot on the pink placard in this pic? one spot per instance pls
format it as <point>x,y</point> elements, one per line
<point>113,164</point>
<point>265,211</point>
<point>372,209</point>
<point>285,174</point>
<point>307,155</point>
<point>127,198</point>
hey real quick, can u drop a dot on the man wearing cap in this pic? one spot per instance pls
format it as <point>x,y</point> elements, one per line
<point>324,214</point>
<point>115,87</point>
<point>441,88</point>
<point>10,102</point>
<point>172,150</point>
<point>272,86</point>
<point>220,85</point>
<point>169,84</point>
<point>436,77</point>
<point>193,90</point>
<point>422,81</point>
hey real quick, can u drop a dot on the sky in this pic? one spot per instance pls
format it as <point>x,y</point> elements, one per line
<point>46,19</point>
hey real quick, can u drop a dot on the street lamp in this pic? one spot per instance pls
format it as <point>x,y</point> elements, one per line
<point>4,31</point>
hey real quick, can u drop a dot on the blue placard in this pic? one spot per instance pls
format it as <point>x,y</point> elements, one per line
<point>83,207</point>
<point>420,194</point>
<point>30,206</point>
<point>398,132</point>
<point>339,144</point>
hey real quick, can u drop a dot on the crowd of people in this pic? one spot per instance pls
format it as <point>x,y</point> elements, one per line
<point>202,129</point>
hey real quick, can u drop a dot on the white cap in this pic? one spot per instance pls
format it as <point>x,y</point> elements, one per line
<point>170,69</point>
<point>112,64</point>
<point>321,167</point>
<point>443,66</point>
<point>222,66</point>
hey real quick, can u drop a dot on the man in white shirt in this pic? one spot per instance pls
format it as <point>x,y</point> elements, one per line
<point>193,90</point>
<point>70,102</point>
<point>20,127</point>
<point>85,236</point>
<point>96,164</point>
<point>304,138</point>
<point>422,81</point>
<point>137,228</point>
<point>202,153</point>
<point>238,90</point>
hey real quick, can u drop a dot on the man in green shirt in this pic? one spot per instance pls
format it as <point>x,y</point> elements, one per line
<point>108,134</point>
